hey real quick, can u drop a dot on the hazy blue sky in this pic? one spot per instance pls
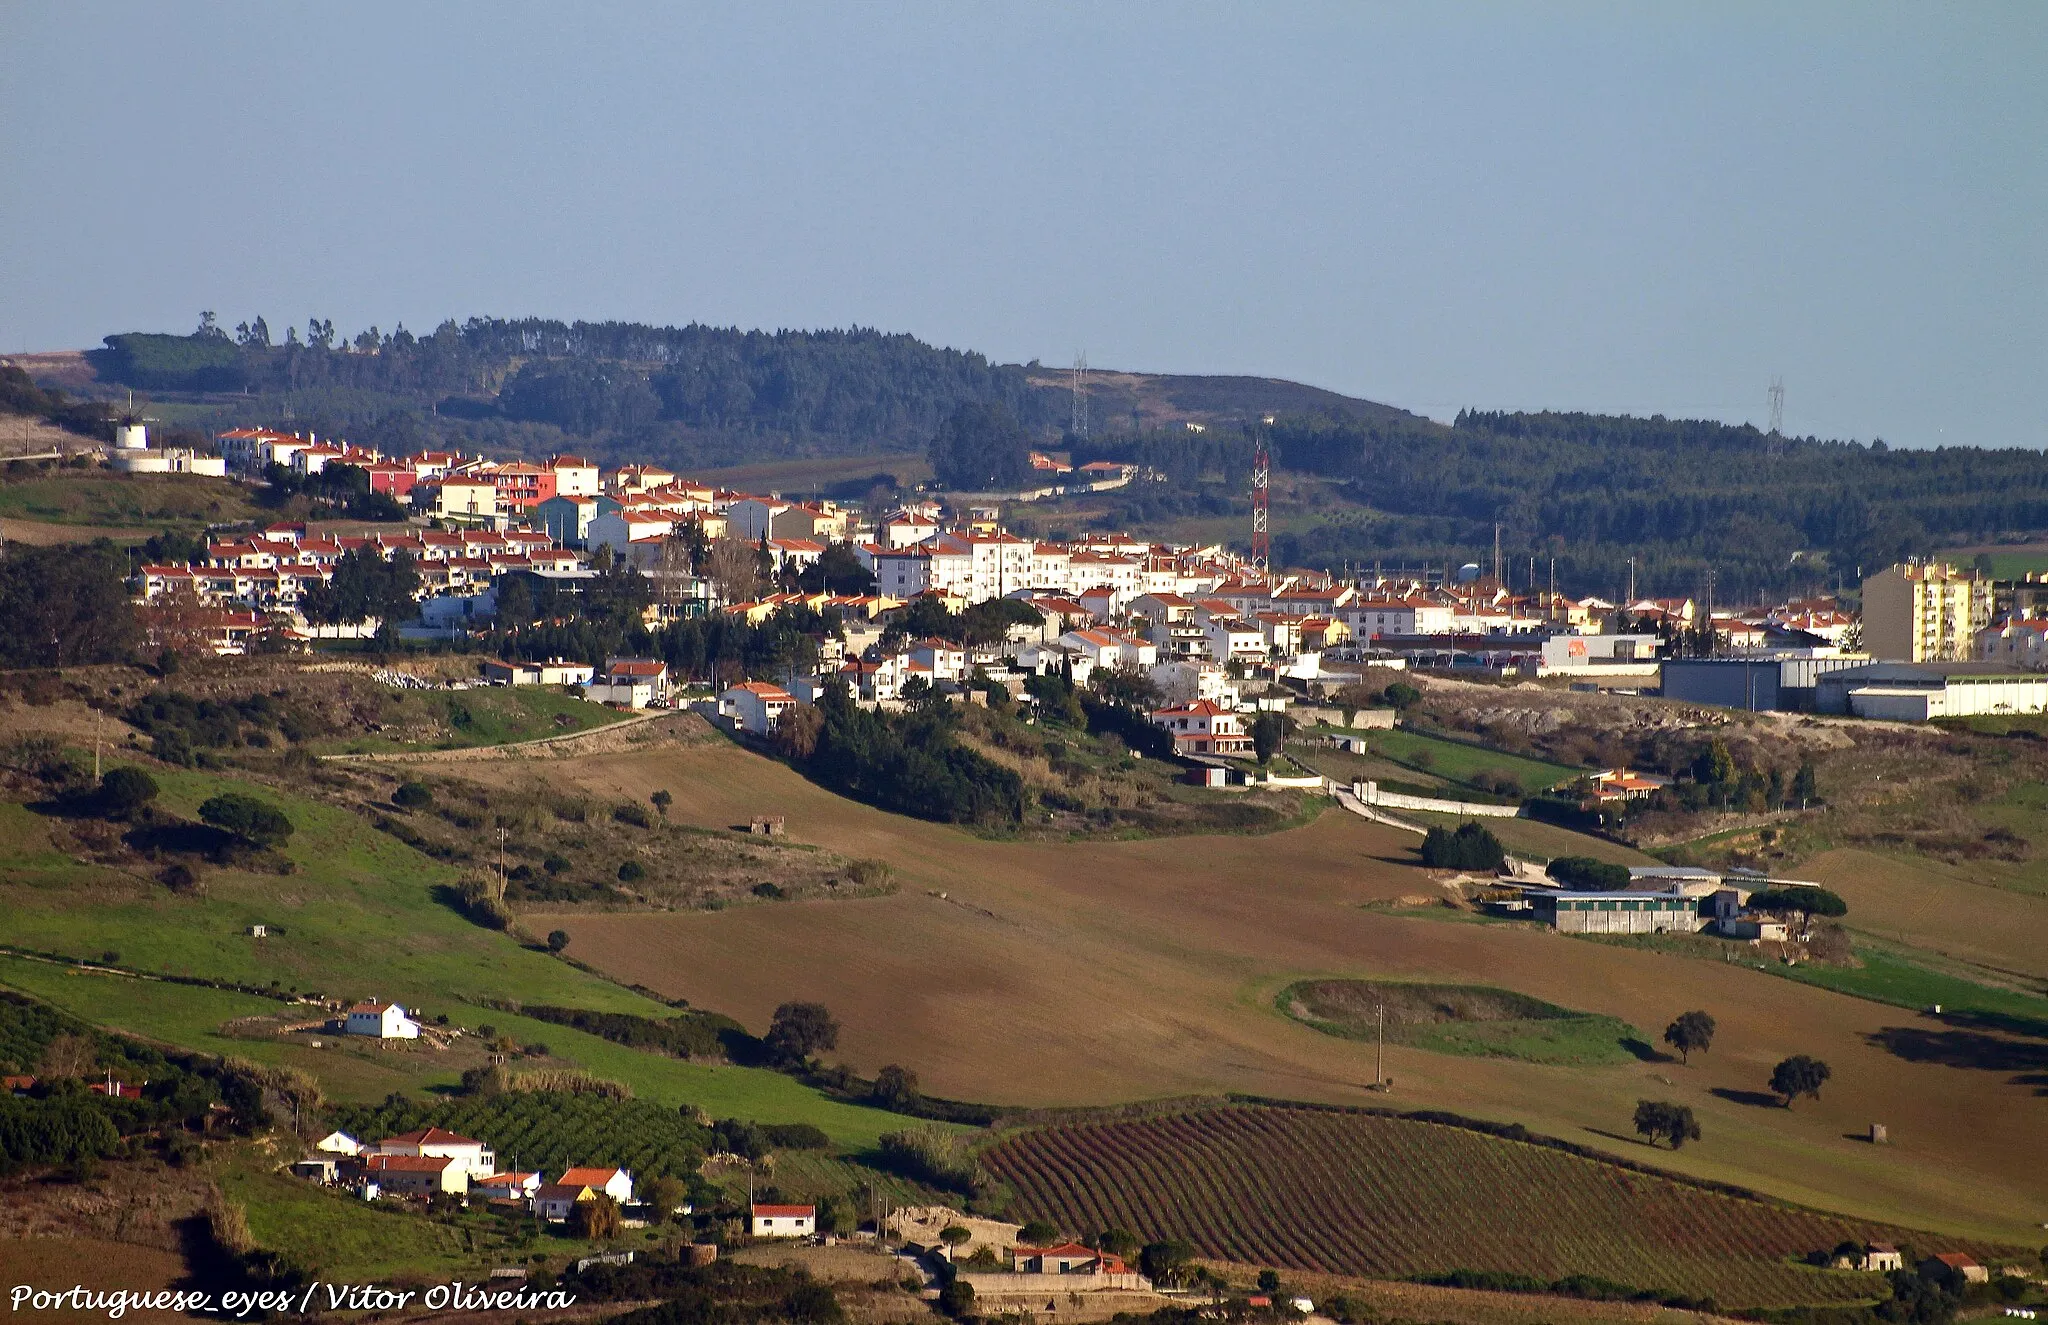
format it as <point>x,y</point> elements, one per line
<point>1640,208</point>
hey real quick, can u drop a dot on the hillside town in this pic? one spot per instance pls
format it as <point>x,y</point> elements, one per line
<point>1202,625</point>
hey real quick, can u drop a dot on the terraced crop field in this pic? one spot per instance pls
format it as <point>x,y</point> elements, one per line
<point>1347,1193</point>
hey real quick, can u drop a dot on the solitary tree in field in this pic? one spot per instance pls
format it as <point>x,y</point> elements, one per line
<point>1662,1120</point>
<point>800,1030</point>
<point>1799,1075</point>
<point>558,940</point>
<point>246,817</point>
<point>662,800</point>
<point>1692,1030</point>
<point>955,1236</point>
<point>126,790</point>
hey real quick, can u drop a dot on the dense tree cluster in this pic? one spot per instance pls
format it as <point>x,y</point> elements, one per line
<point>1586,874</point>
<point>487,378</point>
<point>1470,847</point>
<point>65,606</point>
<point>981,448</point>
<point>1678,494</point>
<point>911,763</point>
<point>364,586</point>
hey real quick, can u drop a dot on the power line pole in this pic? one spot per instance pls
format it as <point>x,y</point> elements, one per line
<point>1777,399</point>
<point>1496,553</point>
<point>1262,482</point>
<point>1078,379</point>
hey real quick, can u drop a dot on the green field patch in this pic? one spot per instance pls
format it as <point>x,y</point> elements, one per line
<point>1460,762</point>
<point>359,916</point>
<point>143,501</point>
<point>1471,1021</point>
<point>460,719</point>
<point>1888,977</point>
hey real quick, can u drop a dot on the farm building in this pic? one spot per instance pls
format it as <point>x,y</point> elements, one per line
<point>615,1183</point>
<point>474,1157</point>
<point>782,1221</point>
<point>386,1021</point>
<point>1956,1262</point>
<point>556,1202</point>
<point>1881,1257</point>
<point>417,1175</point>
<point>1616,913</point>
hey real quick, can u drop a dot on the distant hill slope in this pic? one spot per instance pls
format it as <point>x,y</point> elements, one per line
<point>698,395</point>
<point>1165,399</point>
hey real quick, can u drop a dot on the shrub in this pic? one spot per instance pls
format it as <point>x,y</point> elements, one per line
<point>1587,874</point>
<point>554,864</point>
<point>126,790</point>
<point>933,1154</point>
<point>795,1136</point>
<point>800,1030</point>
<point>632,872</point>
<point>631,813</point>
<point>1471,847</point>
<point>247,818</point>
<point>412,795</point>
<point>558,939</point>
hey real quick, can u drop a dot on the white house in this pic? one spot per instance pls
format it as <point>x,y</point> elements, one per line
<point>475,1158</point>
<point>615,1183</point>
<point>575,476</point>
<point>1203,727</point>
<point>905,529</point>
<point>633,682</point>
<point>755,706</point>
<point>1233,637</point>
<point>339,1143</point>
<point>386,1021</point>
<point>783,1221</point>
<point>1112,648</point>
<point>506,1186</point>
<point>1185,680</point>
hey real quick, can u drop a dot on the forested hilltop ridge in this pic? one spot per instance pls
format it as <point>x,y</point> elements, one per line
<point>1356,481</point>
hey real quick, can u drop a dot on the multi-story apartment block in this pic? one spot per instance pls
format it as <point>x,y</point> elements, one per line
<point>1924,613</point>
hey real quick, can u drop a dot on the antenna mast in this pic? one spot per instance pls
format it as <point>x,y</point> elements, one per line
<point>1777,399</point>
<point>1078,379</point>
<point>1262,482</point>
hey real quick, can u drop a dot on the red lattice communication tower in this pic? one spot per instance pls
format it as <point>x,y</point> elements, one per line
<point>1262,483</point>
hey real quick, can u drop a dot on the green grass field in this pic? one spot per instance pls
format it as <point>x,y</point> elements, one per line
<point>1890,977</point>
<point>1470,1021</point>
<point>358,918</point>
<point>498,715</point>
<point>1462,763</point>
<point>135,501</point>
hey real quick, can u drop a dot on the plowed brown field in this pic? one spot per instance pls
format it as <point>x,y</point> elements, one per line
<point>1104,972</point>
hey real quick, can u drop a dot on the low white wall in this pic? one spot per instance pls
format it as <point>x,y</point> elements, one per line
<point>1369,793</point>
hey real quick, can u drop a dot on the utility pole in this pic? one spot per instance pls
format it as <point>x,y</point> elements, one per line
<point>1379,1066</point>
<point>98,716</point>
<point>1631,582</point>
<point>1262,482</point>
<point>1496,553</point>
<point>1078,380</point>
